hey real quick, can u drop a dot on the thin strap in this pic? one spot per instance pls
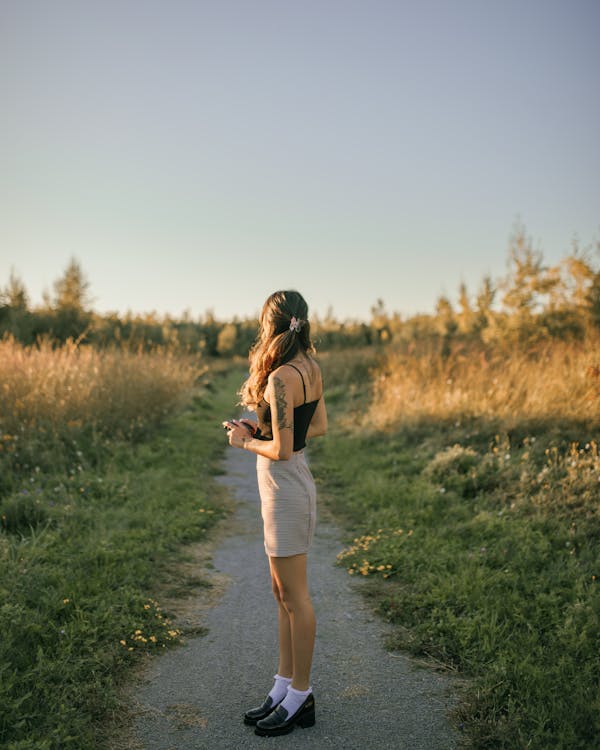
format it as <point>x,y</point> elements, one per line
<point>297,370</point>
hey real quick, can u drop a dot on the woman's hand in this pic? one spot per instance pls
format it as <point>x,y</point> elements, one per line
<point>250,424</point>
<point>237,432</point>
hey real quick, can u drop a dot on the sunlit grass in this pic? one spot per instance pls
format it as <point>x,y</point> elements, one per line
<point>470,490</point>
<point>58,391</point>
<point>560,380</point>
<point>105,475</point>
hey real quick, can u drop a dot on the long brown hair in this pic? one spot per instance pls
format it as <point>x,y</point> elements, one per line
<point>277,341</point>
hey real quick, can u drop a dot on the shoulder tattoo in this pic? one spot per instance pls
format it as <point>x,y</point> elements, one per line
<point>280,402</point>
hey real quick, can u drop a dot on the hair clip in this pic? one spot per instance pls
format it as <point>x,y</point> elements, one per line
<point>296,324</point>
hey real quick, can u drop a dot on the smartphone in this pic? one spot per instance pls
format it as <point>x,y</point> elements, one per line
<point>244,424</point>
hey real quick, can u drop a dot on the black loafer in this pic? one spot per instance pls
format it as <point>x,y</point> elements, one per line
<point>277,722</point>
<point>255,714</point>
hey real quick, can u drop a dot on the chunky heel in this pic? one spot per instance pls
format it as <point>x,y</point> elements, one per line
<point>278,721</point>
<point>308,720</point>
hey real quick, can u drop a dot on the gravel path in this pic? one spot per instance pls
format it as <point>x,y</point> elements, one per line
<point>194,696</point>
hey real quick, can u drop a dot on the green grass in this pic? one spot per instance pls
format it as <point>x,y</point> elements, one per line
<point>483,551</point>
<point>83,553</point>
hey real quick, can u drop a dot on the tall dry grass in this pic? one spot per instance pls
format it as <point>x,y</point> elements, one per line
<point>558,381</point>
<point>57,391</point>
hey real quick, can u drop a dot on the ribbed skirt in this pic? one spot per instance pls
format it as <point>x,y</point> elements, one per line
<point>288,502</point>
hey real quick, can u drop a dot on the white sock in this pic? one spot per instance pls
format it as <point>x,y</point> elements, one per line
<point>294,699</point>
<point>280,688</point>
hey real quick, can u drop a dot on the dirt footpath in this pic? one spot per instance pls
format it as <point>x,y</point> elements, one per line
<point>193,697</point>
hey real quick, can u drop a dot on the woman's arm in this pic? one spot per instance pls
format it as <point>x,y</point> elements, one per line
<point>279,393</point>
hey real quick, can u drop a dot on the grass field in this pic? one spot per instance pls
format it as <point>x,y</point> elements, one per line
<point>94,516</point>
<point>478,531</point>
<point>471,510</point>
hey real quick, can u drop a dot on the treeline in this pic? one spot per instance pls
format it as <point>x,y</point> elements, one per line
<point>67,314</point>
<point>533,302</point>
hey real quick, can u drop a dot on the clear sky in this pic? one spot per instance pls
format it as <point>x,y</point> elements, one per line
<point>200,155</point>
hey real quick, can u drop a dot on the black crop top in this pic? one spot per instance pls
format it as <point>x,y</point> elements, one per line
<point>302,416</point>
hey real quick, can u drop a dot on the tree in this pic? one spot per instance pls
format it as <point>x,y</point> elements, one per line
<point>527,280</point>
<point>14,295</point>
<point>575,277</point>
<point>570,306</point>
<point>593,299</point>
<point>15,317</point>
<point>445,313</point>
<point>485,297</point>
<point>227,339</point>
<point>380,322</point>
<point>446,323</point>
<point>71,303</point>
<point>466,316</point>
<point>71,290</point>
<point>484,315</point>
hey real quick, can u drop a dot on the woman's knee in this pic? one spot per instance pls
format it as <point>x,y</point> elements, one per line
<point>277,592</point>
<point>293,601</point>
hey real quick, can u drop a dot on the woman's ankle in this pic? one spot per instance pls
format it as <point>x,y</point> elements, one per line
<point>300,686</point>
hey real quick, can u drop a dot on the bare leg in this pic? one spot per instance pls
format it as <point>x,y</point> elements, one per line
<point>289,576</point>
<point>286,662</point>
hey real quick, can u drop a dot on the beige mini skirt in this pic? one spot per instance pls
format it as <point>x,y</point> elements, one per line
<point>288,503</point>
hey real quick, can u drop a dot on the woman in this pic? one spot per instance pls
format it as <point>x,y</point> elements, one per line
<point>285,389</point>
